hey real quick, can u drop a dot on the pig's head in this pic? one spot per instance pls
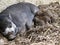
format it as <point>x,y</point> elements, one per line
<point>7,27</point>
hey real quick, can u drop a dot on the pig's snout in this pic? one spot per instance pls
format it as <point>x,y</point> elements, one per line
<point>12,35</point>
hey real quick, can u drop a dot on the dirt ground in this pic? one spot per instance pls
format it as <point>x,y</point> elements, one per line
<point>46,30</point>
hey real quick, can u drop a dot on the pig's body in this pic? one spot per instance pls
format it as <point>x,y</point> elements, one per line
<point>19,15</point>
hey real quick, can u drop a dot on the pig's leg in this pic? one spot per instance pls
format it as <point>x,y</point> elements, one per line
<point>29,24</point>
<point>22,30</point>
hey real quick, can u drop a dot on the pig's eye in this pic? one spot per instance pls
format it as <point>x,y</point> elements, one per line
<point>10,26</point>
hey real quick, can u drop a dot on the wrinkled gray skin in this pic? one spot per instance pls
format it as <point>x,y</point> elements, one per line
<point>15,18</point>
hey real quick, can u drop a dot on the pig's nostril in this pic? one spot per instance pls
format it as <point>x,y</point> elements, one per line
<point>9,33</point>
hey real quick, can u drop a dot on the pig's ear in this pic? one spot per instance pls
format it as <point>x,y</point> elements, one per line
<point>5,16</point>
<point>9,16</point>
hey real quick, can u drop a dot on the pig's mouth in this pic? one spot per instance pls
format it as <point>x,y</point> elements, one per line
<point>12,35</point>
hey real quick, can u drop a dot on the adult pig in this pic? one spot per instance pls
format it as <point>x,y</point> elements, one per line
<point>16,18</point>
